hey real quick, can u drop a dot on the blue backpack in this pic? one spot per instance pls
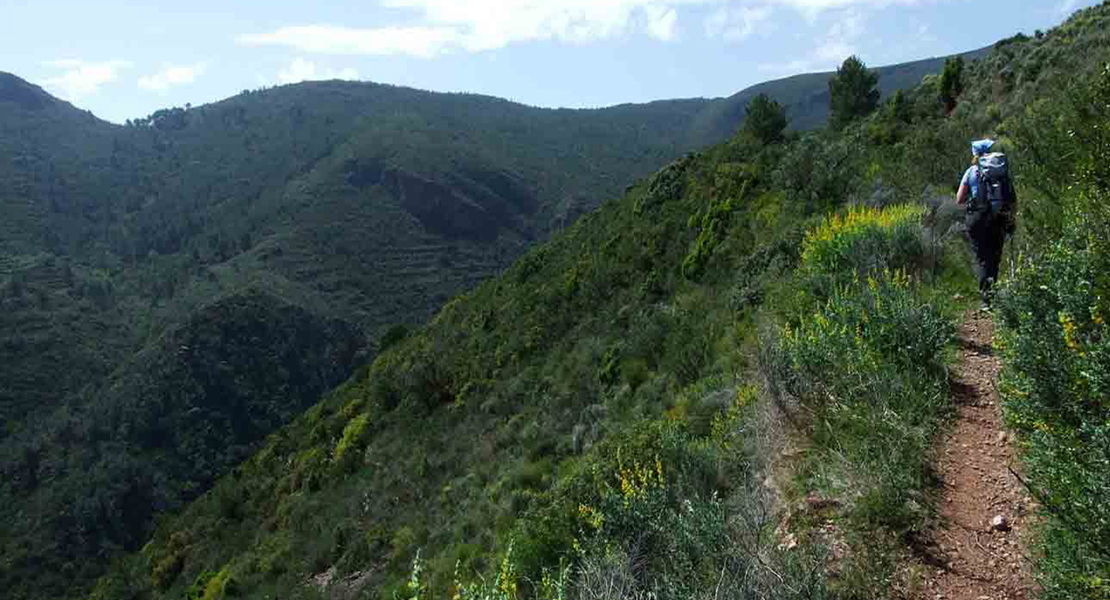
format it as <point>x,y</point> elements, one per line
<point>996,191</point>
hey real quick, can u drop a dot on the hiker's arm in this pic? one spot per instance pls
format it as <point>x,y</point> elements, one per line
<point>961,196</point>
<point>1011,211</point>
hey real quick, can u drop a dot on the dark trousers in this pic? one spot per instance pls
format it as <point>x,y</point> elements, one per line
<point>986,233</point>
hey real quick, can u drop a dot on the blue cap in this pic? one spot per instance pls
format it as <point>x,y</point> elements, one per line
<point>981,147</point>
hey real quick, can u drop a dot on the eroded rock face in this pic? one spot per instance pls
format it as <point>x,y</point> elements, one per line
<point>476,204</point>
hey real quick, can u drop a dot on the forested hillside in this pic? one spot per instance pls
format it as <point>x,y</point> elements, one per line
<point>294,186</point>
<point>152,274</point>
<point>725,382</point>
<point>175,289</point>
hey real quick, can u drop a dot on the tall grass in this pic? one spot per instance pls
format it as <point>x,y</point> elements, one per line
<point>860,368</point>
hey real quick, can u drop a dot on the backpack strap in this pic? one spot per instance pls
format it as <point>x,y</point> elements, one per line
<point>979,201</point>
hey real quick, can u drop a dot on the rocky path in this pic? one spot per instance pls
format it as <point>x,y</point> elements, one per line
<point>975,551</point>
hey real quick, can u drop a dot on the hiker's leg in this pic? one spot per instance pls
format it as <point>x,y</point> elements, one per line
<point>998,238</point>
<point>982,246</point>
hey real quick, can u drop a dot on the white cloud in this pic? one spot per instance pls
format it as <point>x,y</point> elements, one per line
<point>1065,8</point>
<point>81,78</point>
<point>302,70</point>
<point>839,43</point>
<point>428,28</point>
<point>831,50</point>
<point>925,35</point>
<point>477,25</point>
<point>736,24</point>
<point>172,76</point>
<point>811,9</point>
<point>331,39</point>
<point>661,22</point>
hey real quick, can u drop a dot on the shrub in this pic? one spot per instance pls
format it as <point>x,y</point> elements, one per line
<point>351,442</point>
<point>713,225</point>
<point>867,372</point>
<point>819,171</point>
<point>1057,389</point>
<point>865,239</point>
<point>1056,375</point>
<point>642,516</point>
<point>632,492</point>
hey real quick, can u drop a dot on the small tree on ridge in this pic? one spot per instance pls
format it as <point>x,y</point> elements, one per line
<point>765,119</point>
<point>951,82</point>
<point>852,92</point>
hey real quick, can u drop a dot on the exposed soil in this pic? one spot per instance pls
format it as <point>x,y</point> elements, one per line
<point>965,557</point>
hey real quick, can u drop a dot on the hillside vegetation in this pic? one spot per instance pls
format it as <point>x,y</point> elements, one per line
<point>152,275</point>
<point>176,289</point>
<point>723,383</point>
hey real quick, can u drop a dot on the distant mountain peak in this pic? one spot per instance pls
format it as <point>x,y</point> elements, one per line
<point>25,95</point>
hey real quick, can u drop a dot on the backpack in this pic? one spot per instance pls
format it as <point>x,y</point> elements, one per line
<point>996,191</point>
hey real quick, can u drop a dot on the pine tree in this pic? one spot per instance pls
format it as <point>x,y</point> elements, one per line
<point>852,92</point>
<point>901,109</point>
<point>765,119</point>
<point>951,82</point>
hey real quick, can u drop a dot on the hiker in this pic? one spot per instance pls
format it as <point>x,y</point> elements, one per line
<point>990,212</point>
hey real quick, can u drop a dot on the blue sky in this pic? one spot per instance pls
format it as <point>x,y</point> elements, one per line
<point>122,59</point>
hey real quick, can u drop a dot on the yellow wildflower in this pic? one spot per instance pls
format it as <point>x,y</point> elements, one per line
<point>1070,333</point>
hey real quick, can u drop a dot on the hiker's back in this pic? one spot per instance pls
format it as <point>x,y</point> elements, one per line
<point>995,191</point>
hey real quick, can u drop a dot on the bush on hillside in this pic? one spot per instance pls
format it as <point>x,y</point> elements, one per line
<point>1058,143</point>
<point>865,239</point>
<point>1056,380</point>
<point>864,375</point>
<point>1057,389</point>
<point>862,372</point>
<point>654,512</point>
<point>820,170</point>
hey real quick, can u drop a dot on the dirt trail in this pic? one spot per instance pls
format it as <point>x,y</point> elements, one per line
<point>966,556</point>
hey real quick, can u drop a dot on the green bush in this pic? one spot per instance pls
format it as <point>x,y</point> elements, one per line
<point>713,226</point>
<point>1056,380</point>
<point>653,512</point>
<point>819,171</point>
<point>629,492</point>
<point>864,239</point>
<point>867,372</point>
<point>1057,389</point>
<point>351,442</point>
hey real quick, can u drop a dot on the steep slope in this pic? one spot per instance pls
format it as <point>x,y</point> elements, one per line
<point>351,206</point>
<point>358,202</point>
<point>585,392</point>
<point>445,439</point>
